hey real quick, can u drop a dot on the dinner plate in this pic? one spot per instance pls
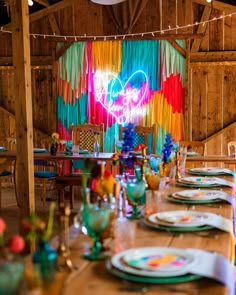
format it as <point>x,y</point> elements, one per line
<point>177,229</point>
<point>199,195</point>
<point>40,150</point>
<point>2,149</point>
<point>192,154</point>
<point>208,171</point>
<point>151,280</point>
<point>153,261</point>
<point>190,201</point>
<point>179,218</point>
<point>198,181</point>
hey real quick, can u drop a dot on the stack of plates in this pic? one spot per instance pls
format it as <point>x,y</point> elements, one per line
<point>197,196</point>
<point>179,220</point>
<point>2,149</point>
<point>153,265</point>
<point>198,182</point>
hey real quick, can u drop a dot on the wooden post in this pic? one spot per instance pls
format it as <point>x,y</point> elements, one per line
<point>23,106</point>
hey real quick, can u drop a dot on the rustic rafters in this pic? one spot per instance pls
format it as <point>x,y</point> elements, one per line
<point>43,2</point>
<point>217,5</point>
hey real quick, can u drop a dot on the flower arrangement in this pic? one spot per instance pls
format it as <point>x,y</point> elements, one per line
<point>167,147</point>
<point>128,138</point>
<point>16,243</point>
<point>103,185</point>
<point>55,138</point>
<point>37,229</point>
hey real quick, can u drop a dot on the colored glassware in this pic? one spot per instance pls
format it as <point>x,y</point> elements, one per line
<point>135,191</point>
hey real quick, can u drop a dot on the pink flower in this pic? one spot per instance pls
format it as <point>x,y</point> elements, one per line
<point>16,244</point>
<point>2,226</point>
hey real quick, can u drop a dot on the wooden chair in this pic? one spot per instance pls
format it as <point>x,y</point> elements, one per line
<point>5,174</point>
<point>45,172</point>
<point>231,146</point>
<point>144,135</point>
<point>82,135</point>
<point>194,146</point>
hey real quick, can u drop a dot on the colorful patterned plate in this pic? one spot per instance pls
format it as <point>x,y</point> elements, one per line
<point>153,261</point>
<point>179,218</point>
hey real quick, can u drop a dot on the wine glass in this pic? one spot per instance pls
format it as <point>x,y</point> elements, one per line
<point>135,191</point>
<point>95,218</point>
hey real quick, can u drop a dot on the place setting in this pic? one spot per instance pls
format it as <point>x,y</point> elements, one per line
<point>200,196</point>
<point>3,149</point>
<point>167,265</point>
<point>187,221</point>
<point>209,171</point>
<point>202,182</point>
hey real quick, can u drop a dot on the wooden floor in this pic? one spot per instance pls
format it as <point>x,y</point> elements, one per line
<point>10,212</point>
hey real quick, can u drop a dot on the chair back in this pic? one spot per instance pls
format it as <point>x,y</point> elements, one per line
<point>83,135</point>
<point>194,146</point>
<point>143,134</point>
<point>231,148</point>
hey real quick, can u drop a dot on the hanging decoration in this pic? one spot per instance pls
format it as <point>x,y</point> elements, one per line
<point>118,82</point>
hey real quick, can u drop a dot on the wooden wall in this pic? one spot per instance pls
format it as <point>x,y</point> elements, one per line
<point>211,62</point>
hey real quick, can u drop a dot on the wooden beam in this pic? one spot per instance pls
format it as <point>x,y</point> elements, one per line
<point>213,56</point>
<point>23,106</point>
<point>53,24</point>
<point>43,2</point>
<point>35,60</point>
<point>213,63</point>
<point>46,11</point>
<point>120,37</point>
<point>217,5</point>
<point>177,47</point>
<point>201,28</point>
<point>63,49</point>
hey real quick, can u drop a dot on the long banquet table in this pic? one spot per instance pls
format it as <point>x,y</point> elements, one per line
<point>94,278</point>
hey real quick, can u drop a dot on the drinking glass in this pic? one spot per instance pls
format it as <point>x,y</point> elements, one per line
<point>95,219</point>
<point>69,146</point>
<point>135,191</point>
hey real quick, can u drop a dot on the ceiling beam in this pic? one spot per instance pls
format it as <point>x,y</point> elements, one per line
<point>217,5</point>
<point>53,24</point>
<point>177,47</point>
<point>43,2</point>
<point>46,11</point>
<point>201,28</point>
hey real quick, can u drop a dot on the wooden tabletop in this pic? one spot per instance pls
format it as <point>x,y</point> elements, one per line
<point>94,278</point>
<point>60,156</point>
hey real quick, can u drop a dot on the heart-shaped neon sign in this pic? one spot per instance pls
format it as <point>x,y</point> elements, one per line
<point>121,101</point>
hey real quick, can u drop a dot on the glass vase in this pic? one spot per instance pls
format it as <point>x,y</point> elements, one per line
<point>53,149</point>
<point>11,275</point>
<point>45,262</point>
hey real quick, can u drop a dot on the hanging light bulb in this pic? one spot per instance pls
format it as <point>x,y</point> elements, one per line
<point>208,1</point>
<point>107,2</point>
<point>30,2</point>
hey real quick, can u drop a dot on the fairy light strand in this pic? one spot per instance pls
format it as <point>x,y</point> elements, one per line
<point>123,36</point>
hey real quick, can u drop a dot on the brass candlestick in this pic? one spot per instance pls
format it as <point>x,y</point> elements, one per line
<point>177,156</point>
<point>64,261</point>
<point>144,163</point>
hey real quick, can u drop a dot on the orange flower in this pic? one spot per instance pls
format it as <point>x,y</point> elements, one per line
<point>103,185</point>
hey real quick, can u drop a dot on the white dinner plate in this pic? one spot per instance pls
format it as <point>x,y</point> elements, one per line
<point>40,150</point>
<point>208,171</point>
<point>198,181</point>
<point>199,195</point>
<point>192,154</point>
<point>153,261</point>
<point>179,218</point>
<point>2,149</point>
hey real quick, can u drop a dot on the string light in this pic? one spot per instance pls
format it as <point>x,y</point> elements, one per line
<point>142,34</point>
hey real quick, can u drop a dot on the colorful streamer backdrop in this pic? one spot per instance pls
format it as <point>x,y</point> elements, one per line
<point>114,82</point>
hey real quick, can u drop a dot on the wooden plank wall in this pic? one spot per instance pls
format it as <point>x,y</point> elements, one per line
<point>210,104</point>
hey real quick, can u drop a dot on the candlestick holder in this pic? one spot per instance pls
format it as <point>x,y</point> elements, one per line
<point>143,164</point>
<point>64,261</point>
<point>177,158</point>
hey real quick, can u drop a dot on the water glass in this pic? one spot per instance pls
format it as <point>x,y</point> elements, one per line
<point>124,234</point>
<point>153,202</point>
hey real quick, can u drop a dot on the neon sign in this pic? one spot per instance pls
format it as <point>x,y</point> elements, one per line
<point>121,101</point>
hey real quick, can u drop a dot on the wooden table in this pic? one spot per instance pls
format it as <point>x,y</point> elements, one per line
<point>93,278</point>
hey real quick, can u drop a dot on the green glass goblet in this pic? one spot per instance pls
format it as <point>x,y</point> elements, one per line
<point>95,219</point>
<point>135,191</point>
